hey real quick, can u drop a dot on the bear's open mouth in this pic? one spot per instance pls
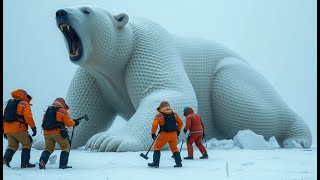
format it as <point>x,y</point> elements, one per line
<point>74,42</point>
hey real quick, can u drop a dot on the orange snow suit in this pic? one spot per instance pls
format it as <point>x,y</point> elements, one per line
<point>23,109</point>
<point>62,115</point>
<point>53,135</point>
<point>166,137</point>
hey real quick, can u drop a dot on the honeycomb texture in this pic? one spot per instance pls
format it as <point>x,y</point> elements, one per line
<point>132,69</point>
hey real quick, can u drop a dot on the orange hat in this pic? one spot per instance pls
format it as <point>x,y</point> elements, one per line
<point>21,94</point>
<point>163,104</point>
<point>60,101</point>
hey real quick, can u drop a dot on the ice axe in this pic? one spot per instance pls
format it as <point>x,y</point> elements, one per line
<point>180,148</point>
<point>83,117</point>
<point>145,155</point>
<point>204,139</point>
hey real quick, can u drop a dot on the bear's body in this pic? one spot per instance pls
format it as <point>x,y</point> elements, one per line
<point>128,67</point>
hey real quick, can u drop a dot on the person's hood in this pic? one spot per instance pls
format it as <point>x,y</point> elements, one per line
<point>164,107</point>
<point>163,104</point>
<point>187,111</point>
<point>60,102</point>
<point>190,111</point>
<point>21,94</point>
<point>166,110</point>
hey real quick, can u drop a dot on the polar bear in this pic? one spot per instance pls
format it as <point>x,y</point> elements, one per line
<point>127,67</point>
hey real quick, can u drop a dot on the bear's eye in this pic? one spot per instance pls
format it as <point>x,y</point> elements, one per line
<point>85,11</point>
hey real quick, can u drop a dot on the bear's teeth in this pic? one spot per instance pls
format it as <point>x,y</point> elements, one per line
<point>73,54</point>
<point>64,25</point>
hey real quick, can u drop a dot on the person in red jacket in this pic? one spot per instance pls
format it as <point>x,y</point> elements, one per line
<point>53,125</point>
<point>195,125</point>
<point>170,126</point>
<point>16,119</point>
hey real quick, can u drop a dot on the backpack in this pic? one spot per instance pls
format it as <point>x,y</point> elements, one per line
<point>169,123</point>
<point>10,113</point>
<point>50,120</point>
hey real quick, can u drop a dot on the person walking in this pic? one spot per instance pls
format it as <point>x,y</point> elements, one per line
<point>170,126</point>
<point>195,125</point>
<point>53,124</point>
<point>16,120</point>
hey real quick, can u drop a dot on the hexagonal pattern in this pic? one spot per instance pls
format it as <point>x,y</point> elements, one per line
<point>131,70</point>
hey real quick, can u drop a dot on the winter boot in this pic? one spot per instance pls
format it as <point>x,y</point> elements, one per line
<point>44,159</point>
<point>188,157</point>
<point>177,159</point>
<point>156,159</point>
<point>8,157</point>
<point>204,156</point>
<point>64,157</point>
<point>25,157</point>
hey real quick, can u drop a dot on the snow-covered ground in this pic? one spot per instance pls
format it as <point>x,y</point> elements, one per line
<point>225,162</point>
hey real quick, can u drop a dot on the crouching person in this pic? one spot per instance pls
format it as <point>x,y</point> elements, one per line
<point>16,119</point>
<point>170,126</point>
<point>195,125</point>
<point>53,124</point>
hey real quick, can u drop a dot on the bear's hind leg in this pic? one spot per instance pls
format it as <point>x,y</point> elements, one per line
<point>243,99</point>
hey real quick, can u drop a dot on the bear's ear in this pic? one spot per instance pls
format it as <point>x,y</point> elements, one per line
<point>121,19</point>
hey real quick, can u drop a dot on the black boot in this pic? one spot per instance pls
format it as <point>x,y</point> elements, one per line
<point>25,157</point>
<point>156,159</point>
<point>64,157</point>
<point>204,156</point>
<point>188,157</point>
<point>8,157</point>
<point>44,159</point>
<point>177,159</point>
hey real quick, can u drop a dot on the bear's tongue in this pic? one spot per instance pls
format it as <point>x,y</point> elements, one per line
<point>75,46</point>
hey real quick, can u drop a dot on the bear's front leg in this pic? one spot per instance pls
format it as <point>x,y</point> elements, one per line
<point>85,97</point>
<point>136,134</point>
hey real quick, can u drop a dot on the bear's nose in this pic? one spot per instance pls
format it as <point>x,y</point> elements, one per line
<point>61,13</point>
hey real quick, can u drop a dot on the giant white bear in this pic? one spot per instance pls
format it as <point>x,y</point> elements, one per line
<point>128,66</point>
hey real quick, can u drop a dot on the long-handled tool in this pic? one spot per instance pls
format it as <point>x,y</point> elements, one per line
<point>83,117</point>
<point>204,139</point>
<point>180,147</point>
<point>53,157</point>
<point>145,155</point>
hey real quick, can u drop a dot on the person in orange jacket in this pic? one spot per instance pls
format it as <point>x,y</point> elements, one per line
<point>195,125</point>
<point>53,124</point>
<point>16,119</point>
<point>170,126</point>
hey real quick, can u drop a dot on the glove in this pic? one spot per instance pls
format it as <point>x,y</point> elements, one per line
<point>5,136</point>
<point>178,133</point>
<point>77,122</point>
<point>34,130</point>
<point>185,131</point>
<point>153,136</point>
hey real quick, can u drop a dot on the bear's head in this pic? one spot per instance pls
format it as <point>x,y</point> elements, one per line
<point>92,34</point>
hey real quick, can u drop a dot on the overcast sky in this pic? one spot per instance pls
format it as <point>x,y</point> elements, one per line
<point>277,37</point>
